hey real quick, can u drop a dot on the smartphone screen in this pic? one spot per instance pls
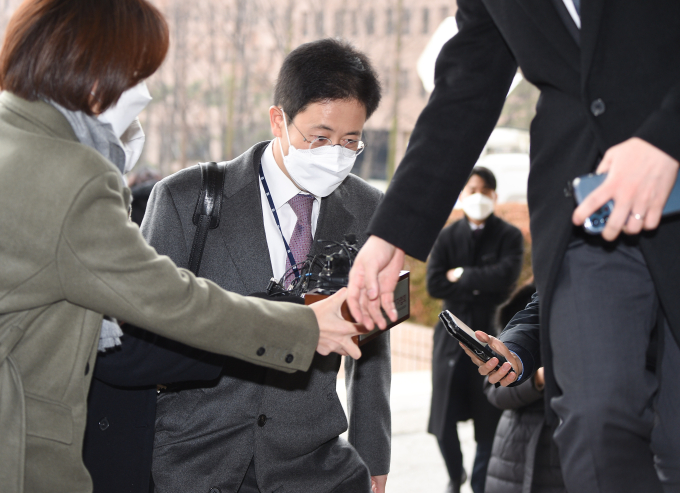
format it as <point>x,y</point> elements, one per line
<point>467,330</point>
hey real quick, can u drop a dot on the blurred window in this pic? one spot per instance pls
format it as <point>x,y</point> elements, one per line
<point>319,23</point>
<point>406,21</point>
<point>370,22</point>
<point>426,20</point>
<point>305,30</point>
<point>339,23</point>
<point>389,26</point>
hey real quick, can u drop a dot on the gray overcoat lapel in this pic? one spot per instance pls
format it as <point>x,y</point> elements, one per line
<point>242,229</point>
<point>334,219</point>
<point>241,226</point>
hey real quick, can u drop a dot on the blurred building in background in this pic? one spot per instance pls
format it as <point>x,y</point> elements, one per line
<point>212,94</point>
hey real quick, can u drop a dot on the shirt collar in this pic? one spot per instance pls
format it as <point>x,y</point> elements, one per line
<point>281,188</point>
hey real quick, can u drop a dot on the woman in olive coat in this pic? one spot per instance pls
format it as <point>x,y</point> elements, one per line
<point>69,253</point>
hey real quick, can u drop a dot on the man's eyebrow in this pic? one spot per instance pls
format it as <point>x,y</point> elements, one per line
<point>322,127</point>
<point>329,129</point>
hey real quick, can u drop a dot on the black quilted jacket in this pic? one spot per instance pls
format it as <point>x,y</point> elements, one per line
<point>524,458</point>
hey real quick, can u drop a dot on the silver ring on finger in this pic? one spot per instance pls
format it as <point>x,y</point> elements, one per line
<point>639,217</point>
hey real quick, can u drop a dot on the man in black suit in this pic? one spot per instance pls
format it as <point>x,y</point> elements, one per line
<point>609,76</point>
<point>473,267</point>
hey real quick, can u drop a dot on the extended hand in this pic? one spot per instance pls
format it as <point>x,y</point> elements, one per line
<point>372,280</point>
<point>378,484</point>
<point>640,179</point>
<point>503,375</point>
<point>335,333</point>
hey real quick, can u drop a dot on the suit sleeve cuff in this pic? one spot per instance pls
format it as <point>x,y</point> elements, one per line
<point>661,130</point>
<point>527,362</point>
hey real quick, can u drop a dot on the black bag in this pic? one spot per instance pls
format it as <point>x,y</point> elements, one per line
<point>207,212</point>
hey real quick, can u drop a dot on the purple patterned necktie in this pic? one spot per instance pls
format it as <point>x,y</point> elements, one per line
<point>301,239</point>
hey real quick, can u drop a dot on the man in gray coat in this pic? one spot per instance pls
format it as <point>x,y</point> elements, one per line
<point>252,429</point>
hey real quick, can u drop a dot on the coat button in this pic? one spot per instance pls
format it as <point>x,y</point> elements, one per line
<point>597,107</point>
<point>87,368</point>
<point>260,351</point>
<point>103,424</point>
<point>214,490</point>
<point>289,358</point>
<point>261,420</point>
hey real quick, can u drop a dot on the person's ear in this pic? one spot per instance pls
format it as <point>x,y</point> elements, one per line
<point>494,196</point>
<point>276,121</point>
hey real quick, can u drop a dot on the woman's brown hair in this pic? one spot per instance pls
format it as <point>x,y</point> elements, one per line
<point>75,51</point>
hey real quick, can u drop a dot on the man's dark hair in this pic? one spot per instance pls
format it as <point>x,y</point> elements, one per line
<point>74,52</point>
<point>326,70</point>
<point>485,174</point>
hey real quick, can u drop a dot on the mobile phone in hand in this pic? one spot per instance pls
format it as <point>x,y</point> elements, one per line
<point>456,328</point>
<point>584,185</point>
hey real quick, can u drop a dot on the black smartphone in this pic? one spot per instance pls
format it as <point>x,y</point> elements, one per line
<point>456,328</point>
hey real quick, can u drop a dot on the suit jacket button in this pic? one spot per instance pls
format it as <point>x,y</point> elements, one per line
<point>260,351</point>
<point>289,358</point>
<point>214,489</point>
<point>597,107</point>
<point>261,420</point>
<point>103,424</point>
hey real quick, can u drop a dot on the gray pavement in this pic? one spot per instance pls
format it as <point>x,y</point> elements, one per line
<point>417,466</point>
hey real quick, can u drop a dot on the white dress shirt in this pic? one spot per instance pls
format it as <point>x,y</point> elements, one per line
<point>572,12</point>
<point>282,189</point>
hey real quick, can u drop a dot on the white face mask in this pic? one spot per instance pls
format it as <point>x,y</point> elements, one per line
<point>320,172</point>
<point>128,107</point>
<point>477,206</point>
<point>133,144</point>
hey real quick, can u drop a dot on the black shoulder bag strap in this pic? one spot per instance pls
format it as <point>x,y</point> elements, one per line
<point>207,212</point>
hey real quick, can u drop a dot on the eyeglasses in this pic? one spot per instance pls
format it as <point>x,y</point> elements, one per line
<point>355,147</point>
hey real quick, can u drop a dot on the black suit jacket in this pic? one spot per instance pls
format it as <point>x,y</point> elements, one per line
<point>622,81</point>
<point>491,268</point>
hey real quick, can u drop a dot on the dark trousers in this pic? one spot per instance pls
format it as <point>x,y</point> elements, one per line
<point>618,419</point>
<point>453,458</point>
<point>485,418</point>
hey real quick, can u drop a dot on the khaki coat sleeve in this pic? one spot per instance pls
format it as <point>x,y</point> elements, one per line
<point>105,265</point>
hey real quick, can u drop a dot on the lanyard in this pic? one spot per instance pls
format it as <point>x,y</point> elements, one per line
<point>278,223</point>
